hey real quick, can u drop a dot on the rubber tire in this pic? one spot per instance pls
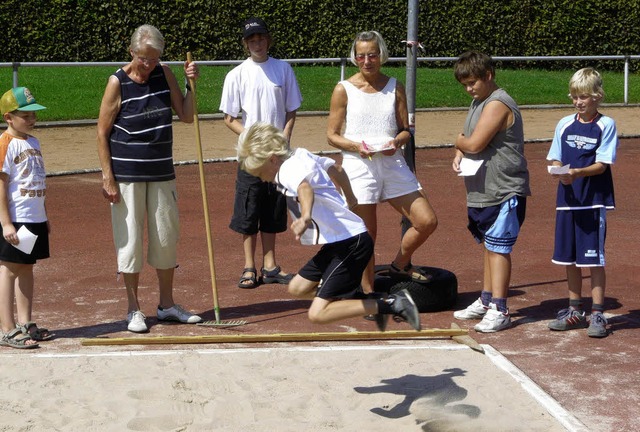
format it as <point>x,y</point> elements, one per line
<point>439,294</point>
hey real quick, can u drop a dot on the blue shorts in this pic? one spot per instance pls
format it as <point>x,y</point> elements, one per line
<point>340,266</point>
<point>580,236</point>
<point>258,206</point>
<point>498,226</point>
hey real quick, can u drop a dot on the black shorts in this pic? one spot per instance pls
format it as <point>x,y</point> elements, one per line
<point>340,266</point>
<point>9,253</point>
<point>258,206</point>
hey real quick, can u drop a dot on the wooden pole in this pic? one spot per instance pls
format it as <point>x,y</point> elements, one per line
<point>205,204</point>
<point>277,337</point>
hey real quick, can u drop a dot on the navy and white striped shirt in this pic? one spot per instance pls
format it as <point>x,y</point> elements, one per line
<point>141,140</point>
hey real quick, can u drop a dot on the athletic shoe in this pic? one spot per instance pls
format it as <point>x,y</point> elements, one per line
<point>135,322</point>
<point>475,310</point>
<point>176,313</point>
<point>598,326</point>
<point>381,321</point>
<point>568,319</point>
<point>405,309</point>
<point>493,321</point>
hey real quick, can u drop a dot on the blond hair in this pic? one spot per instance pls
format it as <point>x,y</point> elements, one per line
<point>370,36</point>
<point>586,81</point>
<point>257,144</point>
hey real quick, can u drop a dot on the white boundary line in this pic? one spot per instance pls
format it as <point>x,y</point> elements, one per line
<point>566,419</point>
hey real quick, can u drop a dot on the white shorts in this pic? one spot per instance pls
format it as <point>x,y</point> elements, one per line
<point>158,202</point>
<point>379,179</point>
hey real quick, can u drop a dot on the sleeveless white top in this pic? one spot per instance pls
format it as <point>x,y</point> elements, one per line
<point>371,117</point>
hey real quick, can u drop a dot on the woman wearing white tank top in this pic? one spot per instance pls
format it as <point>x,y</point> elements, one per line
<point>372,108</point>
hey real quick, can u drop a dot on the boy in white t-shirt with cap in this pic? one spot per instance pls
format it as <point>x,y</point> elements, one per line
<point>23,216</point>
<point>264,89</point>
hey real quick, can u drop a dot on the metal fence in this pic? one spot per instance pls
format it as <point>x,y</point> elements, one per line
<point>623,59</point>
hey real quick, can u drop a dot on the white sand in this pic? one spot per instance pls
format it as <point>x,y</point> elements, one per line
<point>420,386</point>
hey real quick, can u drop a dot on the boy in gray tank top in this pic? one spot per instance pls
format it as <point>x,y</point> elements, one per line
<point>492,141</point>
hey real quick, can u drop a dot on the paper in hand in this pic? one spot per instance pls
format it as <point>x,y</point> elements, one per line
<point>374,145</point>
<point>553,169</point>
<point>469,167</point>
<point>27,240</point>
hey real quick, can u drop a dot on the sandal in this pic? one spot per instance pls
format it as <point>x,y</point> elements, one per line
<point>36,333</point>
<point>16,339</point>
<point>409,273</point>
<point>249,282</point>
<point>275,276</point>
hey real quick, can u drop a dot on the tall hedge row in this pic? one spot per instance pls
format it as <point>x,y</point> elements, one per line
<point>99,30</point>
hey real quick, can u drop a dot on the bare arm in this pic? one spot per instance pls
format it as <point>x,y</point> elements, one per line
<point>109,109</point>
<point>8,229</point>
<point>305,199</point>
<point>290,121</point>
<point>457,157</point>
<point>340,178</point>
<point>182,104</point>
<point>337,116</point>
<point>402,118</point>
<point>591,170</point>
<point>495,117</point>
<point>233,123</point>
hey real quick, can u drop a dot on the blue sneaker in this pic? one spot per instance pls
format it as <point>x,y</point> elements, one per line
<point>597,325</point>
<point>569,319</point>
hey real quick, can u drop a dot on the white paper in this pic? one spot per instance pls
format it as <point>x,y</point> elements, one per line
<point>27,240</point>
<point>469,167</point>
<point>374,145</point>
<point>558,169</point>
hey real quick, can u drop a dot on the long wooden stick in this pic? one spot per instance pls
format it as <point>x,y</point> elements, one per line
<point>205,204</point>
<point>277,337</point>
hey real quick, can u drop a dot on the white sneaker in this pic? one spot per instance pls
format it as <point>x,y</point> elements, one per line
<point>176,313</point>
<point>475,310</point>
<point>135,322</point>
<point>493,321</point>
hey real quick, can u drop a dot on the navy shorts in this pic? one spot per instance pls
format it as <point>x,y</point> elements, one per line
<point>9,253</point>
<point>258,206</point>
<point>580,236</point>
<point>340,266</point>
<point>498,226</point>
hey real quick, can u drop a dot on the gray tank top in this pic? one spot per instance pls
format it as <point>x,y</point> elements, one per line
<point>504,172</point>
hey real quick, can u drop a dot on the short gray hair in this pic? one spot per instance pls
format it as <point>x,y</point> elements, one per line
<point>147,36</point>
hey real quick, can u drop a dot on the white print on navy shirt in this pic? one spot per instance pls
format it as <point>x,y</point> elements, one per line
<point>581,142</point>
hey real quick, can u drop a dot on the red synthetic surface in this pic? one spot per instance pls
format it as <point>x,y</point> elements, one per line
<point>77,294</point>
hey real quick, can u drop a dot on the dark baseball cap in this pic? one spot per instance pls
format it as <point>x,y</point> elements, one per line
<point>252,26</point>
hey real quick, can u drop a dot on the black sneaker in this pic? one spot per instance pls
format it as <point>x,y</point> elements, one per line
<point>404,307</point>
<point>381,321</point>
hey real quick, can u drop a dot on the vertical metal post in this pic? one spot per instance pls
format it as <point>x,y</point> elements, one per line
<point>15,74</point>
<point>626,80</point>
<point>410,86</point>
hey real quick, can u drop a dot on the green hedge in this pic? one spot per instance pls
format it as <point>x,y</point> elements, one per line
<point>99,30</point>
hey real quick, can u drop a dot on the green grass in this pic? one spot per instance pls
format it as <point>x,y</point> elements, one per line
<point>71,93</point>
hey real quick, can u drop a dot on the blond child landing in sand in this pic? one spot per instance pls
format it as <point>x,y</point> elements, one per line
<point>322,216</point>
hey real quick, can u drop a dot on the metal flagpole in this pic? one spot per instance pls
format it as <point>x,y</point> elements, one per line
<point>410,86</point>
